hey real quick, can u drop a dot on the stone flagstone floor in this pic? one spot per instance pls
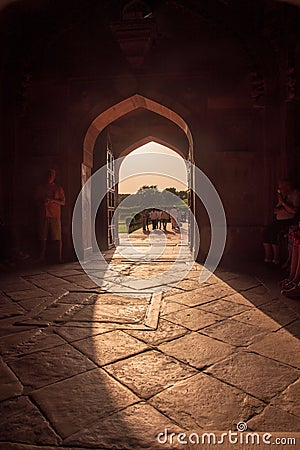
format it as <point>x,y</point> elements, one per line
<point>214,355</point>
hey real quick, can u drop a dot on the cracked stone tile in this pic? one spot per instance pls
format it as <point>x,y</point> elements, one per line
<point>82,400</point>
<point>258,376</point>
<point>202,401</point>
<point>193,298</point>
<point>50,365</point>
<point>8,308</point>
<point>72,333</point>
<point>148,373</point>
<point>28,293</point>
<point>234,333</point>
<point>288,400</point>
<point>109,347</point>
<point>21,421</point>
<point>165,331</point>
<point>26,342</point>
<point>10,385</point>
<point>135,427</point>
<point>223,307</point>
<point>197,350</point>
<point>280,346</point>
<point>193,318</point>
<point>274,419</point>
<point>258,318</point>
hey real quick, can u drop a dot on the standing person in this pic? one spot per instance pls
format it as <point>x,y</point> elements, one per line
<point>291,285</point>
<point>174,218</point>
<point>153,218</point>
<point>159,218</point>
<point>50,197</point>
<point>164,218</point>
<point>145,220</point>
<point>288,203</point>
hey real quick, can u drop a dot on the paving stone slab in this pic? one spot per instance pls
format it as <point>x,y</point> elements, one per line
<point>72,333</point>
<point>8,308</point>
<point>133,428</point>
<point>17,446</point>
<point>189,285</point>
<point>239,298</point>
<point>21,421</point>
<point>258,376</point>
<point>166,331</point>
<point>193,318</point>
<point>197,350</point>
<point>109,347</point>
<point>224,275</point>
<point>288,400</point>
<point>28,293</point>
<point>293,328</point>
<point>218,290</point>
<point>10,385</point>
<point>50,365</point>
<point>150,372</point>
<point>50,282</point>
<point>82,400</point>
<point>32,303</point>
<point>54,311</point>
<point>7,326</point>
<point>29,341</point>
<point>280,346</point>
<point>275,419</point>
<point>168,307</point>
<point>235,333</point>
<point>224,307</point>
<point>259,296</point>
<point>78,298</point>
<point>258,318</point>
<point>15,283</point>
<point>192,298</point>
<point>204,402</point>
<point>280,312</point>
<point>82,280</point>
<point>243,283</point>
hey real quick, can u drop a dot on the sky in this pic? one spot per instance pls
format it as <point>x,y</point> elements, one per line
<point>152,157</point>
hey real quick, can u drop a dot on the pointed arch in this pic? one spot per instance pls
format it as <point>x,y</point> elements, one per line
<point>122,108</point>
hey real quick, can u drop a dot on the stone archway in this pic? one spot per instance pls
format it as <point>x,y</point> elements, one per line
<point>97,126</point>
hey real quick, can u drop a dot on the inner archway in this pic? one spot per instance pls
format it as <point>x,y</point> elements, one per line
<point>108,118</point>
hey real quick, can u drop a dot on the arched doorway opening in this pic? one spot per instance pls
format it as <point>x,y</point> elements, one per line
<point>140,181</point>
<point>108,118</point>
